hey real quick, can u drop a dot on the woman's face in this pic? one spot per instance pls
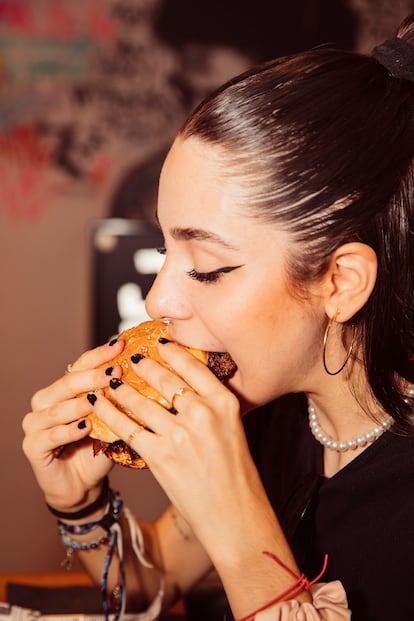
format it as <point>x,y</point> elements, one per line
<point>223,284</point>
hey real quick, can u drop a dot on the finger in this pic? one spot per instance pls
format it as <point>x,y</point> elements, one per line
<point>98,356</point>
<point>187,366</point>
<point>164,381</point>
<point>136,430</point>
<point>207,396</point>
<point>141,410</point>
<point>44,443</point>
<point>60,414</point>
<point>191,372</point>
<point>141,433</point>
<point>73,384</point>
<point>196,375</point>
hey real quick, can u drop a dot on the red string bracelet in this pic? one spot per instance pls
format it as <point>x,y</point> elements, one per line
<point>302,584</point>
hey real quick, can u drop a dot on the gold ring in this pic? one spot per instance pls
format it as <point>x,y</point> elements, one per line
<point>178,393</point>
<point>134,434</point>
<point>69,368</point>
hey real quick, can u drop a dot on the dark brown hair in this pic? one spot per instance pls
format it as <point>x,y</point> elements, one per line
<point>324,140</point>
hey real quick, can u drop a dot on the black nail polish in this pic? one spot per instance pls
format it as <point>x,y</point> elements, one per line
<point>115,383</point>
<point>113,341</point>
<point>163,340</point>
<point>109,370</point>
<point>82,424</point>
<point>91,397</point>
<point>137,358</point>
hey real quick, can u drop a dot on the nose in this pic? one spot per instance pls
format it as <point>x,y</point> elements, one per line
<point>166,297</point>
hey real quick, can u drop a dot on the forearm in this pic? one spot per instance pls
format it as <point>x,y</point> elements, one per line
<point>236,541</point>
<point>252,578</point>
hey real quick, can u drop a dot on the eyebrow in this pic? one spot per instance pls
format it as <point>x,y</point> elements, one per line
<point>189,234</point>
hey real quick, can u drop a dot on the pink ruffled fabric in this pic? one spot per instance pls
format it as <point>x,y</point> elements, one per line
<point>329,604</point>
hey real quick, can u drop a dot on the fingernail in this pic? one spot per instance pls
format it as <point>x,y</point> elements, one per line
<point>137,358</point>
<point>109,370</point>
<point>91,397</point>
<point>113,341</point>
<point>163,340</point>
<point>115,383</point>
<point>82,423</point>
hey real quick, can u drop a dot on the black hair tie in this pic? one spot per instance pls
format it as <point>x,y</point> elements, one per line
<point>89,509</point>
<point>397,56</point>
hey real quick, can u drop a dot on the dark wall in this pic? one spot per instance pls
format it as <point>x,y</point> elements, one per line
<point>263,29</point>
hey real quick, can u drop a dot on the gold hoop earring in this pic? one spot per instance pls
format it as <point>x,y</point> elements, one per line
<point>325,340</point>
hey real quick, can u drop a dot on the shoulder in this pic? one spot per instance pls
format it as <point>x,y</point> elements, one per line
<point>392,456</point>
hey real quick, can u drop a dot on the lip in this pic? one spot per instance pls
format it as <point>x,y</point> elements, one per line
<point>184,343</point>
<point>192,346</point>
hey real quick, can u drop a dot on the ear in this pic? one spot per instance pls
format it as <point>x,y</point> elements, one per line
<point>349,280</point>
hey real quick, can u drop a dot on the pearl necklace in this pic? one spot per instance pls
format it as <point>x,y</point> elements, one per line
<point>347,445</point>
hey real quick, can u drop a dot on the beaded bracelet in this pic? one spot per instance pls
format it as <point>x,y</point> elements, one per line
<point>111,515</point>
<point>88,510</point>
<point>76,545</point>
<point>114,602</point>
<point>112,538</point>
<point>302,584</point>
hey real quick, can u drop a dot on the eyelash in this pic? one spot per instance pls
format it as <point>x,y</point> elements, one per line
<point>209,277</point>
<point>206,277</point>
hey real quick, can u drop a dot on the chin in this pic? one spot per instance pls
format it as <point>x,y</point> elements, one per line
<point>245,400</point>
<point>250,394</point>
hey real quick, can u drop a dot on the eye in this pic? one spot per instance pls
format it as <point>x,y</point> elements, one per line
<point>162,250</point>
<point>213,276</point>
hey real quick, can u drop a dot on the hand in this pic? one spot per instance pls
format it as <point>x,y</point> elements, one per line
<point>58,419</point>
<point>201,459</point>
<point>200,455</point>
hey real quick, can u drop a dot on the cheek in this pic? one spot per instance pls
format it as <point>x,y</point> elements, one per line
<point>275,351</point>
<point>246,322</point>
<point>260,377</point>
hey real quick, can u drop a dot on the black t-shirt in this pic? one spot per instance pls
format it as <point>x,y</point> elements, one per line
<point>363,517</point>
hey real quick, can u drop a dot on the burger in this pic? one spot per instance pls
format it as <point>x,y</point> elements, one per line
<point>143,339</point>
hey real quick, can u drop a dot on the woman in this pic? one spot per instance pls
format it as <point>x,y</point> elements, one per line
<point>286,202</point>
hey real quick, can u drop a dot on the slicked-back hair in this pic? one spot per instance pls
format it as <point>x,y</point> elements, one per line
<point>323,142</point>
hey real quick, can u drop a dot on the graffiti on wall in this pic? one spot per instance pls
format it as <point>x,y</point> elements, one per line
<point>80,83</point>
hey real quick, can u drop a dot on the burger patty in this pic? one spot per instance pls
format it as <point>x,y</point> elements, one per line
<point>222,364</point>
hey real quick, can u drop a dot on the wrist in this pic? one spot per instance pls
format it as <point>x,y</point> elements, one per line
<point>93,533</point>
<point>88,510</point>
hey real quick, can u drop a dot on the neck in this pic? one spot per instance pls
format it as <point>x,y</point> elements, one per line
<point>351,427</point>
<point>339,412</point>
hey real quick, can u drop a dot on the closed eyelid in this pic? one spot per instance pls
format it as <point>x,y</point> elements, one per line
<point>213,275</point>
<point>220,270</point>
